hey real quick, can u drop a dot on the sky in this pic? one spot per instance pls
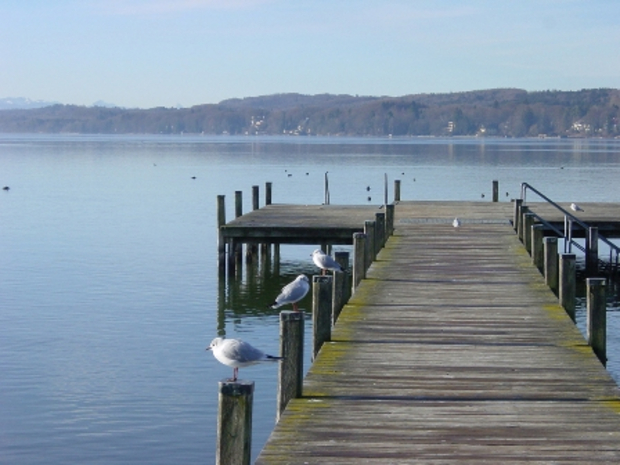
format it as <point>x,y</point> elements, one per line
<point>149,53</point>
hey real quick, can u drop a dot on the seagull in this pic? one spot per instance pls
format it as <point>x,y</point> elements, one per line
<point>236,353</point>
<point>325,262</point>
<point>576,208</point>
<point>293,292</point>
<point>456,223</point>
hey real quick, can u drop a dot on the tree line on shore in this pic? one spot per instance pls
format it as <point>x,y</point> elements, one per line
<point>493,113</point>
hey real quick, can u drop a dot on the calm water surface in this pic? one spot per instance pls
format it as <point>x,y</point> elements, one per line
<point>108,285</point>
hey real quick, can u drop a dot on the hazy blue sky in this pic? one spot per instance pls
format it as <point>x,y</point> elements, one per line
<point>146,53</point>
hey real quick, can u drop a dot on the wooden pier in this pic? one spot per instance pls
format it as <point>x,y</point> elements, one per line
<point>452,351</point>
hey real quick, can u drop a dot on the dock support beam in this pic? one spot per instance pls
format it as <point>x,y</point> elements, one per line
<point>538,257</point>
<point>567,283</point>
<point>592,252</point>
<point>359,259</point>
<point>495,191</point>
<point>369,255</point>
<point>396,190</point>
<point>342,285</point>
<point>291,372</point>
<point>321,312</point>
<point>551,263</point>
<point>234,422</point>
<point>597,317</point>
<point>389,220</point>
<point>517,214</point>
<point>221,244</point>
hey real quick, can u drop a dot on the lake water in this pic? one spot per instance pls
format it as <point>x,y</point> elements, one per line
<point>108,286</point>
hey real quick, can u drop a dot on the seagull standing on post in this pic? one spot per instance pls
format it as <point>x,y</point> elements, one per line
<point>236,353</point>
<point>293,292</point>
<point>325,262</point>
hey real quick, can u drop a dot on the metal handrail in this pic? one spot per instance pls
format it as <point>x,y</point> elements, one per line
<point>568,218</point>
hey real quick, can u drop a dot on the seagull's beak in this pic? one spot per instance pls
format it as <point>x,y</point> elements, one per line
<point>208,348</point>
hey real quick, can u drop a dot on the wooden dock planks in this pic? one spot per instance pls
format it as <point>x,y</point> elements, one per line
<point>452,351</point>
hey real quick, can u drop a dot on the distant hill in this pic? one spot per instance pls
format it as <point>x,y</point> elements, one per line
<point>493,112</point>
<point>22,103</point>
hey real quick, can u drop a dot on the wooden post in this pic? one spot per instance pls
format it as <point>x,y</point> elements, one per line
<point>221,244</point>
<point>385,189</point>
<point>359,259</point>
<point>267,193</point>
<point>291,372</point>
<point>396,190</point>
<point>321,312</point>
<point>389,220</point>
<point>567,283</point>
<point>341,286</point>
<point>238,204</point>
<point>495,191</point>
<point>597,317</point>
<point>592,252</point>
<point>234,422</point>
<point>237,248</point>
<point>379,232</point>
<point>369,230</point>
<point>528,221</point>
<point>551,263</point>
<point>538,257</point>
<point>251,251</point>
<point>517,214</point>
<point>524,209</point>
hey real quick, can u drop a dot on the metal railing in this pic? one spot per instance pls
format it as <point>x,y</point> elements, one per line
<point>570,221</point>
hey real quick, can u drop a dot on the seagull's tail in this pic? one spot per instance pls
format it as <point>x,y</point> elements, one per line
<point>273,358</point>
<point>274,305</point>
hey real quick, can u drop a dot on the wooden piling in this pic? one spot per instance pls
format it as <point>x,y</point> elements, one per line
<point>234,422</point>
<point>396,190</point>
<point>238,204</point>
<point>550,246</point>
<point>268,187</point>
<point>251,250</point>
<point>369,230</point>
<point>379,232</point>
<point>538,256</point>
<point>517,214</point>
<point>592,252</point>
<point>528,221</point>
<point>389,220</point>
<point>321,312</point>
<point>567,283</point>
<point>524,209</point>
<point>359,259</point>
<point>342,286</point>
<point>597,317</point>
<point>291,372</point>
<point>495,191</point>
<point>221,243</point>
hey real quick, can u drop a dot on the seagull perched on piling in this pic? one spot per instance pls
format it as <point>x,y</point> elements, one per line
<point>325,262</point>
<point>293,292</point>
<point>456,223</point>
<point>238,354</point>
<point>576,208</point>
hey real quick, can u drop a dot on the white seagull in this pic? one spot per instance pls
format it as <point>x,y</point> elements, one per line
<point>576,208</point>
<point>293,292</point>
<point>325,262</point>
<point>456,223</point>
<point>236,353</point>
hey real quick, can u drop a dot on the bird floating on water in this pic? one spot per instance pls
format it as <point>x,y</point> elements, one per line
<point>325,262</point>
<point>456,223</point>
<point>293,292</point>
<point>576,208</point>
<point>6,188</point>
<point>238,354</point>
